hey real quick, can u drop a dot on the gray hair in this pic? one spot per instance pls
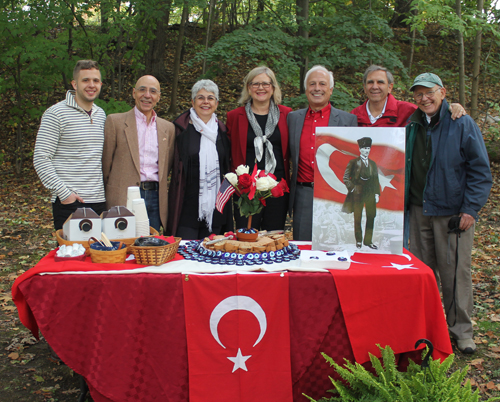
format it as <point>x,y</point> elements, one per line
<point>207,85</point>
<point>372,68</point>
<point>318,68</point>
<point>245,94</point>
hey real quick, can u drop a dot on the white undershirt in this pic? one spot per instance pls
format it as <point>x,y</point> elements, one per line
<point>374,119</point>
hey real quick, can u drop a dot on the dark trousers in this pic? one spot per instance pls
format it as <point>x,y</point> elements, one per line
<point>272,216</point>
<point>152,202</point>
<point>363,198</point>
<point>61,212</point>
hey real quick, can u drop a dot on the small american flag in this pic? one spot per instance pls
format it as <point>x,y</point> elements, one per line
<point>225,191</point>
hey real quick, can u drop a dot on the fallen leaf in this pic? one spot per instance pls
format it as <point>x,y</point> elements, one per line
<point>13,356</point>
<point>491,385</point>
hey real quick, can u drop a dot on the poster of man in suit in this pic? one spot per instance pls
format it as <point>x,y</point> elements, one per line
<point>359,189</point>
<point>361,180</point>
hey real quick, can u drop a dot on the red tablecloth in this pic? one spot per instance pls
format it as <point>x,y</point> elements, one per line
<point>126,333</point>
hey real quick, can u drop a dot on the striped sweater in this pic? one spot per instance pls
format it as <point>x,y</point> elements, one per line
<point>68,151</point>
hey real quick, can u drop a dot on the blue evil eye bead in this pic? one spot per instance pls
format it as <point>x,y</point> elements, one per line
<point>249,262</point>
<point>258,262</point>
<point>250,257</point>
<point>342,259</point>
<point>264,255</point>
<point>226,255</point>
<point>219,254</point>
<point>286,259</point>
<point>331,253</point>
<point>240,230</point>
<point>279,260</point>
<point>279,253</point>
<point>230,262</point>
<point>233,256</point>
<point>256,256</point>
<point>241,257</point>
<point>314,257</point>
<point>240,263</point>
<point>188,257</point>
<point>272,254</point>
<point>204,252</point>
<point>268,261</point>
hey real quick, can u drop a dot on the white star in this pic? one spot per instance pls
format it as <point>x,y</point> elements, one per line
<point>399,267</point>
<point>239,361</point>
<point>385,181</point>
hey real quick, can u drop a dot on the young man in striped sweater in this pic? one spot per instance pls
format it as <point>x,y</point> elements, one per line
<point>68,149</point>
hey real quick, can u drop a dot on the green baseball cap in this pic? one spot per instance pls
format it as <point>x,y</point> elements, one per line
<point>427,80</point>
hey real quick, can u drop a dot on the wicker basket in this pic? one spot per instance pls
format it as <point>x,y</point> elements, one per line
<point>109,257</point>
<point>128,241</point>
<point>155,255</point>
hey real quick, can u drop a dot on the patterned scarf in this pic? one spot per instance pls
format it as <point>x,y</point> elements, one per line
<point>263,139</point>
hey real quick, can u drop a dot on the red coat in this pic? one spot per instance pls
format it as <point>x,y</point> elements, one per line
<point>396,114</point>
<point>237,131</point>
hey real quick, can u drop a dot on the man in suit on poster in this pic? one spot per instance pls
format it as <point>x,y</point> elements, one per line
<point>138,151</point>
<point>302,125</point>
<point>361,180</point>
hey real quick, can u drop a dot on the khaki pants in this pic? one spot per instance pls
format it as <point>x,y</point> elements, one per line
<point>429,242</point>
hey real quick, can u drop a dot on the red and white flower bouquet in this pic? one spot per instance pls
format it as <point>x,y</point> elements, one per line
<point>254,188</point>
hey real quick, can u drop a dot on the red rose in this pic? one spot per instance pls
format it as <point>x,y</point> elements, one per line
<point>277,191</point>
<point>263,201</point>
<point>284,186</point>
<point>244,182</point>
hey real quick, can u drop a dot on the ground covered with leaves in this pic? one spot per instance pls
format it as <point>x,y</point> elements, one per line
<point>29,373</point>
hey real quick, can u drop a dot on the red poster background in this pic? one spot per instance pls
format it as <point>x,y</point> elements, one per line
<point>389,160</point>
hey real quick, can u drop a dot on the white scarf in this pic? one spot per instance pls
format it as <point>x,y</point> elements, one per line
<point>209,166</point>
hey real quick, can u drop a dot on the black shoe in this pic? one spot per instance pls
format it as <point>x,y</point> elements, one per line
<point>358,245</point>
<point>372,246</point>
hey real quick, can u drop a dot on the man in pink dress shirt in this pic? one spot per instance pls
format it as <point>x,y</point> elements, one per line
<point>138,151</point>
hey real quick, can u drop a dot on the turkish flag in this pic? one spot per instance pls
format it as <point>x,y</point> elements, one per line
<point>333,153</point>
<point>238,337</point>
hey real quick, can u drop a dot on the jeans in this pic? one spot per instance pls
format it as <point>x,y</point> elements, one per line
<point>152,207</point>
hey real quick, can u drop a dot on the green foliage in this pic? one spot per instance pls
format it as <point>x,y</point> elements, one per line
<point>389,384</point>
<point>113,106</point>
<point>255,45</point>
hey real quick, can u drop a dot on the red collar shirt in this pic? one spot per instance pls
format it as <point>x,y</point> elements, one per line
<point>305,172</point>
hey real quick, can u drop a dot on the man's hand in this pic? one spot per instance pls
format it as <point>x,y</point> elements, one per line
<point>457,111</point>
<point>377,198</point>
<point>466,222</point>
<point>72,198</point>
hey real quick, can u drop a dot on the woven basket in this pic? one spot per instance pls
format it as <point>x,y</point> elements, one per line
<point>109,257</point>
<point>155,255</point>
<point>128,241</point>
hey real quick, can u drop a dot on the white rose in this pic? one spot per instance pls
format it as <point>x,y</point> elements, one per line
<point>265,183</point>
<point>242,169</point>
<point>232,178</point>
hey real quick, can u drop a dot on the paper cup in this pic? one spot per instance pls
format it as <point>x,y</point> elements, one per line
<point>133,193</point>
<point>139,209</point>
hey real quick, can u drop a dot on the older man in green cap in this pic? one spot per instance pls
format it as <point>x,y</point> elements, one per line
<point>448,180</point>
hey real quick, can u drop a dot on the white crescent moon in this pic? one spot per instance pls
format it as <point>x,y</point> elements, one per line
<point>323,155</point>
<point>237,303</point>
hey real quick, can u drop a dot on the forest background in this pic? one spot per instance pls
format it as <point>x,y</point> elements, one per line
<point>181,41</point>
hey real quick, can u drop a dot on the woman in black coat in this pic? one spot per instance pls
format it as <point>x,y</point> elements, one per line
<point>201,159</point>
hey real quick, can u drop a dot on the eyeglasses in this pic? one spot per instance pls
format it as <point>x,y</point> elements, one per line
<point>209,98</point>
<point>429,95</point>
<point>264,85</point>
<point>143,90</point>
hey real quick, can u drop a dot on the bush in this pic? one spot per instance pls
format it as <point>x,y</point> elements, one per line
<point>389,384</point>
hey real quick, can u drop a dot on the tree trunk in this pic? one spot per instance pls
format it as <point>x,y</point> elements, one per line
<point>476,66</point>
<point>402,10</point>
<point>155,58</point>
<point>302,16</point>
<point>461,57</point>
<point>209,32</point>
<point>177,62</point>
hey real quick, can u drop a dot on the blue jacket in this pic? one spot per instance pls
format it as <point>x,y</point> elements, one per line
<point>459,176</point>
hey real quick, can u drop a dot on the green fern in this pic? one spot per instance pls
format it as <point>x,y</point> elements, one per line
<point>391,385</point>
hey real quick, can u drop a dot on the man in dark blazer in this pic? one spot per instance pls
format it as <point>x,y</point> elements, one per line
<point>138,151</point>
<point>361,180</point>
<point>302,125</point>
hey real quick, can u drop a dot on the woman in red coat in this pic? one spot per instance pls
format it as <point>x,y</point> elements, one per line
<point>259,134</point>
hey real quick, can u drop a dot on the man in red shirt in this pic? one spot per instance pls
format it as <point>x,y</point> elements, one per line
<point>381,109</point>
<point>302,127</point>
